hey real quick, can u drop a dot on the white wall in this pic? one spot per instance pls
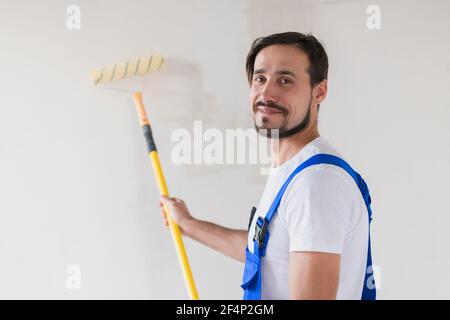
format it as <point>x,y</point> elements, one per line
<point>76,187</point>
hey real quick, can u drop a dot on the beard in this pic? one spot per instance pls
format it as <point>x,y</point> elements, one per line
<point>282,131</point>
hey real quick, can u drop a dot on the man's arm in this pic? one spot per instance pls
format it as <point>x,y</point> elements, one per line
<point>230,242</point>
<point>313,275</point>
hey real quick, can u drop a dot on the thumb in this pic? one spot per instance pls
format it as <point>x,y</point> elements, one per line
<point>165,199</point>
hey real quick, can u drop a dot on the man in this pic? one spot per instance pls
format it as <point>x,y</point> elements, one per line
<point>319,230</point>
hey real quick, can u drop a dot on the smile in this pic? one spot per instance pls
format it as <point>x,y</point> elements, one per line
<point>268,110</point>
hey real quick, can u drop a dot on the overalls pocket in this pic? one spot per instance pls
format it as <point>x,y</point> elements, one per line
<point>251,269</point>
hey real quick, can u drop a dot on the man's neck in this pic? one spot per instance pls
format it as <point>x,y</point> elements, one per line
<point>285,148</point>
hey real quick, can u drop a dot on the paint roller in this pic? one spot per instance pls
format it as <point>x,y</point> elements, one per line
<point>139,67</point>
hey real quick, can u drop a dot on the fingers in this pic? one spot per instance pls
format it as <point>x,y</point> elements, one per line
<point>167,200</point>
<point>164,200</point>
<point>164,216</point>
<point>170,203</point>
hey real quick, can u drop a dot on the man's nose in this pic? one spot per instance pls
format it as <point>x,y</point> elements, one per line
<point>268,93</point>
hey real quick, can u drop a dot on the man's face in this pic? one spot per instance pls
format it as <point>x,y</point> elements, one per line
<point>280,92</point>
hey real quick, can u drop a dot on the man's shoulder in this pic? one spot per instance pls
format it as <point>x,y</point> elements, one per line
<point>322,184</point>
<point>320,176</point>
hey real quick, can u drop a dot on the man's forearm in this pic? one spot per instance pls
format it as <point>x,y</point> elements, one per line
<point>230,242</point>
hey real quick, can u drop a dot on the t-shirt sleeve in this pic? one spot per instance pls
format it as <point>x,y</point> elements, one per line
<point>316,209</point>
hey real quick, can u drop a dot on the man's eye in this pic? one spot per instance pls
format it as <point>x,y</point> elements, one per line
<point>285,80</point>
<point>258,79</point>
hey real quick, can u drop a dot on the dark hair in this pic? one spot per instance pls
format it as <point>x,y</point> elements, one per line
<point>318,59</point>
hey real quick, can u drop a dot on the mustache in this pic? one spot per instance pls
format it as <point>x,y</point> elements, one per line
<point>273,105</point>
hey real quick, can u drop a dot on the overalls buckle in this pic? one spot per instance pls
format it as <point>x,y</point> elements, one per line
<point>260,232</point>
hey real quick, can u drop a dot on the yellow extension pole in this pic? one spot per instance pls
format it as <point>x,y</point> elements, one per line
<point>162,186</point>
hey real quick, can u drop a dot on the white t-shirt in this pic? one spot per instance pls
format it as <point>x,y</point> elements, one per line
<point>321,210</point>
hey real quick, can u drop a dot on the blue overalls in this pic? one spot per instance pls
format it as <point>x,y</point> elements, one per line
<point>251,282</point>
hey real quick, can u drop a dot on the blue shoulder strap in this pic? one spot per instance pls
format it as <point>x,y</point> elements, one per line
<point>369,290</point>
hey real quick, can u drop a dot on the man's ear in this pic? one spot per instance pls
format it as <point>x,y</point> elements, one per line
<point>320,91</point>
